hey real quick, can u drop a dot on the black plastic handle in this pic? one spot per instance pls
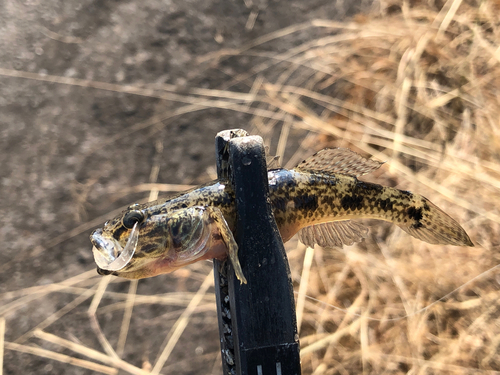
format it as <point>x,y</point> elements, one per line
<point>257,321</point>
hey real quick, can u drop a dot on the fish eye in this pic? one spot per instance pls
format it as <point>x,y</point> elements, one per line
<point>131,218</point>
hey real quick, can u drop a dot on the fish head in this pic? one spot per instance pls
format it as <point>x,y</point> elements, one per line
<point>142,242</point>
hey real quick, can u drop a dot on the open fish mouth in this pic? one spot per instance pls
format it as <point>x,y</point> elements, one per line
<point>109,254</point>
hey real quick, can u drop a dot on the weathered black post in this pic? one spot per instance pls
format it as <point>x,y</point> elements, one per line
<point>257,321</point>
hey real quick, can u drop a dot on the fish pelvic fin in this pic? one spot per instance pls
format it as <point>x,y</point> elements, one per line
<point>429,223</point>
<point>338,160</point>
<point>333,234</point>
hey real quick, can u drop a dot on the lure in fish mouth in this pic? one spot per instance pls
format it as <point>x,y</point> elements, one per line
<point>109,254</point>
<point>319,199</point>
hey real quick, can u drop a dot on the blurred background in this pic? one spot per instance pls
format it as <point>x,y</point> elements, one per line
<point>107,103</point>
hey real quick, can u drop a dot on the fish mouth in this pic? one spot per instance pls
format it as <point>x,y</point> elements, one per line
<point>109,255</point>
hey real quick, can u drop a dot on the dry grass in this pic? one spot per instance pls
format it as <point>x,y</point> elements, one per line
<point>420,89</point>
<point>415,84</point>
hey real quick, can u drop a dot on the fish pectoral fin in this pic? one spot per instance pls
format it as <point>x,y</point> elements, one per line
<point>229,241</point>
<point>333,234</point>
<point>339,160</point>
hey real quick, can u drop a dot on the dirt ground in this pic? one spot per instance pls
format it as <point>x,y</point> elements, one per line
<point>88,108</point>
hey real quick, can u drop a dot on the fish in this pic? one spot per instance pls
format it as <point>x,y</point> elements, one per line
<point>320,200</point>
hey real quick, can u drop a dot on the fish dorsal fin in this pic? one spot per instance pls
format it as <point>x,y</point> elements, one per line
<point>272,161</point>
<point>339,160</point>
<point>333,234</point>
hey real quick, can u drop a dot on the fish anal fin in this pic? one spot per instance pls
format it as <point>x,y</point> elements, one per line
<point>333,234</point>
<point>339,160</point>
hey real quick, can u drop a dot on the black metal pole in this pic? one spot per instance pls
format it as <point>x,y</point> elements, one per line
<point>257,321</point>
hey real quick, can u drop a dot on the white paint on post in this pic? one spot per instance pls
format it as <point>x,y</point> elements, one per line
<point>278,368</point>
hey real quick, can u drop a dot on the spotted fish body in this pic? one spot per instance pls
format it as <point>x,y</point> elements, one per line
<point>318,199</point>
<point>336,199</point>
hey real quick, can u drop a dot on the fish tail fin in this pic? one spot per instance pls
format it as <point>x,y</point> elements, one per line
<point>429,223</point>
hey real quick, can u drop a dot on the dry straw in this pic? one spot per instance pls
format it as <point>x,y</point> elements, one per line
<point>416,85</point>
